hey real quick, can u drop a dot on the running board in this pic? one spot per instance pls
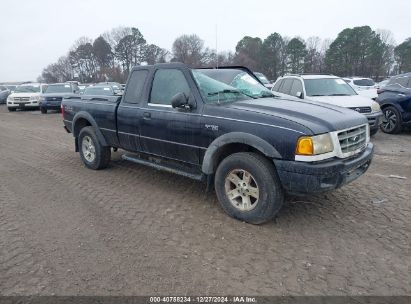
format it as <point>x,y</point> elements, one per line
<point>168,168</point>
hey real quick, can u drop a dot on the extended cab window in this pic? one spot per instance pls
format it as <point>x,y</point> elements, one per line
<point>135,86</point>
<point>166,84</point>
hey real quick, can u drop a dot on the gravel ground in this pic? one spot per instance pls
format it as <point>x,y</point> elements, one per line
<point>132,230</point>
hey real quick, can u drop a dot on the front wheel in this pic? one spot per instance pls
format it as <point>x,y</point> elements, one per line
<point>92,153</point>
<point>373,131</point>
<point>12,109</point>
<point>391,121</point>
<point>43,110</point>
<point>248,188</point>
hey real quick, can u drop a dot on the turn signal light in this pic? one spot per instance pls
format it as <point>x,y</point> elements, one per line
<point>305,146</point>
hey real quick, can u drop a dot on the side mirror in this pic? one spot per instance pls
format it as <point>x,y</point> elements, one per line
<point>180,100</point>
<point>300,95</point>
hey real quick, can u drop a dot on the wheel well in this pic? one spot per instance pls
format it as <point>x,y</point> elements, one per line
<point>232,148</point>
<point>80,124</point>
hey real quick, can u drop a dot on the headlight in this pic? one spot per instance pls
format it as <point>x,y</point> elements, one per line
<point>314,145</point>
<point>34,98</point>
<point>375,107</point>
<point>42,99</point>
<point>10,98</point>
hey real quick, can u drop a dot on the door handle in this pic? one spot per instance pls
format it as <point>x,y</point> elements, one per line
<point>147,115</point>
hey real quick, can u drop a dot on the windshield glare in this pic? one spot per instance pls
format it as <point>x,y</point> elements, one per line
<point>58,88</point>
<point>27,89</point>
<point>328,87</point>
<point>241,86</point>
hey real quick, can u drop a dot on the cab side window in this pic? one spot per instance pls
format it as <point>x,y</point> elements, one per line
<point>166,84</point>
<point>135,86</point>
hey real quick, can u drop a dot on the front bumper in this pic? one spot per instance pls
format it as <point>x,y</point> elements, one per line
<point>51,105</point>
<point>374,119</point>
<point>303,178</point>
<point>23,105</point>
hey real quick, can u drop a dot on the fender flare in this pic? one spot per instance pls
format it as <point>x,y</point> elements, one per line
<point>256,142</point>
<point>90,119</point>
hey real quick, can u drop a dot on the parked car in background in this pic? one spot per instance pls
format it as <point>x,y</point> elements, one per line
<point>382,84</point>
<point>100,90</point>
<point>4,93</point>
<point>264,80</point>
<point>83,86</point>
<point>26,96</point>
<point>117,87</point>
<point>332,90</point>
<point>363,86</point>
<point>54,94</point>
<point>395,102</point>
<point>248,143</point>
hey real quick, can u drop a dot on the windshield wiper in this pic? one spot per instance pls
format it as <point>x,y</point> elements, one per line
<point>340,94</point>
<point>224,91</point>
<point>315,95</point>
<point>267,94</point>
<point>230,91</point>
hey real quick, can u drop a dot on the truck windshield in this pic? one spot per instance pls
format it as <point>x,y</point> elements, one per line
<point>233,80</point>
<point>215,91</point>
<point>58,88</point>
<point>328,87</point>
<point>27,89</point>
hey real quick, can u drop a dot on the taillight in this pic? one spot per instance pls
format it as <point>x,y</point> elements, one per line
<point>62,111</point>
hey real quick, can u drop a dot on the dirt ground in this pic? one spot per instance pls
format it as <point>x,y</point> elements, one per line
<point>132,230</point>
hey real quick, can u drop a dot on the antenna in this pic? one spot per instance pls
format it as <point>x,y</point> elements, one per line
<point>216,44</point>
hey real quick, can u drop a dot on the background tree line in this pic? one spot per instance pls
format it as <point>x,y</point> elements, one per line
<point>358,51</point>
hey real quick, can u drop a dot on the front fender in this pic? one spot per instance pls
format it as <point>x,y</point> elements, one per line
<point>256,142</point>
<point>77,125</point>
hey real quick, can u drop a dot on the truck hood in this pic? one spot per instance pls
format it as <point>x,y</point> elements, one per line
<point>352,101</point>
<point>318,117</point>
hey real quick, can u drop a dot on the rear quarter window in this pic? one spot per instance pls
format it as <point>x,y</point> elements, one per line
<point>286,87</point>
<point>277,85</point>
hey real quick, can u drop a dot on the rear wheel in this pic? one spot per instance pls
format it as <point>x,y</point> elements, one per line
<point>391,121</point>
<point>92,153</point>
<point>248,188</point>
<point>43,110</point>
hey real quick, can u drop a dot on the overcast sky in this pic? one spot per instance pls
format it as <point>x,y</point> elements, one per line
<point>34,34</point>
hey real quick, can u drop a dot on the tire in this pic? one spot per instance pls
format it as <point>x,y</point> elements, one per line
<point>12,109</point>
<point>373,132</point>
<point>92,153</point>
<point>43,110</point>
<point>261,174</point>
<point>391,122</point>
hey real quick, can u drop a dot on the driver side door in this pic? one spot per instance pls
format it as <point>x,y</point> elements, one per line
<point>166,131</point>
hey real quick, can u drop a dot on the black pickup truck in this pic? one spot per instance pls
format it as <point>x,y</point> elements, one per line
<point>224,127</point>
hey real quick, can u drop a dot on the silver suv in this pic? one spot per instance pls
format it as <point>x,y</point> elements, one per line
<point>332,90</point>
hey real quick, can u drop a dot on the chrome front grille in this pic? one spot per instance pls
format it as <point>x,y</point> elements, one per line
<point>18,99</point>
<point>54,98</point>
<point>363,110</point>
<point>353,139</point>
